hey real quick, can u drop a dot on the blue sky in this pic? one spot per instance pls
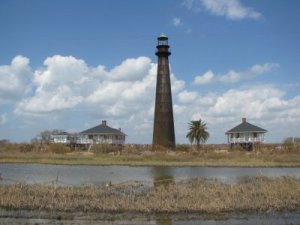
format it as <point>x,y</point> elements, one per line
<point>70,64</point>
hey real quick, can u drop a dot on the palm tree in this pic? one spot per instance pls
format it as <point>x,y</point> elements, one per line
<point>197,132</point>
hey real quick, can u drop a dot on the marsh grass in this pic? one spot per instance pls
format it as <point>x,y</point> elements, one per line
<point>257,194</point>
<point>141,155</point>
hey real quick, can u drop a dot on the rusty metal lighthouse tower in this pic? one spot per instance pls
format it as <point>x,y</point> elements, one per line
<point>163,131</point>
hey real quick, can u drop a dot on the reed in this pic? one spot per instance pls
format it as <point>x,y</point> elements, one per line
<point>209,155</point>
<point>258,194</point>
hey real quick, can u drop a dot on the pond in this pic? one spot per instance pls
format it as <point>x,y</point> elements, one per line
<point>97,175</point>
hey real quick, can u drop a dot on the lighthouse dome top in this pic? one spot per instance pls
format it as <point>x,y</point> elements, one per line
<point>162,37</point>
<point>162,40</point>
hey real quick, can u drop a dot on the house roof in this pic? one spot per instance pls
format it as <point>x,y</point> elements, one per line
<point>60,133</point>
<point>102,129</point>
<point>246,127</point>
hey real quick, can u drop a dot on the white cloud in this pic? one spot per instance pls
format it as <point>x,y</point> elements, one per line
<point>264,106</point>
<point>43,102</point>
<point>127,88</point>
<point>231,9</point>
<point>130,69</point>
<point>206,78</point>
<point>14,79</point>
<point>86,94</point>
<point>252,101</point>
<point>3,119</point>
<point>59,85</point>
<point>60,70</point>
<point>260,69</point>
<point>176,85</point>
<point>177,21</point>
<point>233,76</point>
<point>187,96</point>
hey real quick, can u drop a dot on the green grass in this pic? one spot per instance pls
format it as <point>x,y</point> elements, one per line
<point>246,159</point>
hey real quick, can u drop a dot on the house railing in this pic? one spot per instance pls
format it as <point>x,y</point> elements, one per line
<point>87,141</point>
<point>100,141</point>
<point>58,141</point>
<point>246,140</point>
<point>84,141</point>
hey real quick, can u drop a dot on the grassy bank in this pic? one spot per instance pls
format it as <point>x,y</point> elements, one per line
<point>141,155</point>
<point>253,159</point>
<point>259,194</point>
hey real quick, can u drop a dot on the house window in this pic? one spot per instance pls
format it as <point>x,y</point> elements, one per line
<point>237,135</point>
<point>255,135</point>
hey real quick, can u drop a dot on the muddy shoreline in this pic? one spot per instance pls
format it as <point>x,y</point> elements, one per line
<point>29,217</point>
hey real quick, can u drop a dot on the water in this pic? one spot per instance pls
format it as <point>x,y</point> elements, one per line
<point>96,175</point>
<point>31,218</point>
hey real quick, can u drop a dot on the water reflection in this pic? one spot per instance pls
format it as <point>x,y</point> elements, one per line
<point>98,175</point>
<point>162,176</point>
<point>167,220</point>
<point>33,218</point>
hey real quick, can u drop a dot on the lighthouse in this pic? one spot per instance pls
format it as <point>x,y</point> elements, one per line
<point>163,131</point>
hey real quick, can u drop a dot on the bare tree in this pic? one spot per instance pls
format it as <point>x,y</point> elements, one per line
<point>45,136</point>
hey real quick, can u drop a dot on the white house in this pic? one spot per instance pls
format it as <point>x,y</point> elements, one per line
<point>62,137</point>
<point>96,135</point>
<point>101,134</point>
<point>246,135</point>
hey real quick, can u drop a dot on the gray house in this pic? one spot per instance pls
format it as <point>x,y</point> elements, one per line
<point>246,135</point>
<point>101,134</point>
<point>96,135</point>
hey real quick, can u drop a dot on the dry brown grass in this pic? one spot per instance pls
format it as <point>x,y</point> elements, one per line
<point>259,194</point>
<point>183,155</point>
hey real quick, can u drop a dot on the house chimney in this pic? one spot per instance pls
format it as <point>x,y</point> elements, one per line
<point>104,122</point>
<point>244,119</point>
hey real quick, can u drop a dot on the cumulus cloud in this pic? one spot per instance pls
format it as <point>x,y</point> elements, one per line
<point>206,78</point>
<point>233,76</point>
<point>57,86</point>
<point>130,69</point>
<point>14,79</point>
<point>60,70</point>
<point>233,102</point>
<point>187,96</point>
<point>263,105</point>
<point>231,9</point>
<point>67,85</point>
